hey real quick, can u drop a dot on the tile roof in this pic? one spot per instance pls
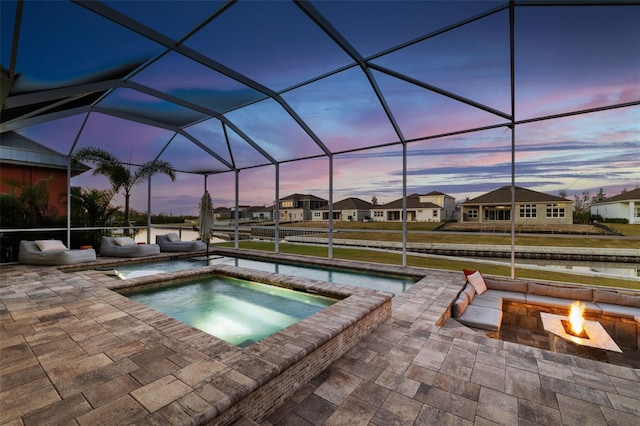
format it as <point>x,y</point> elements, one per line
<point>523,195</point>
<point>413,202</point>
<point>634,194</point>
<point>350,203</point>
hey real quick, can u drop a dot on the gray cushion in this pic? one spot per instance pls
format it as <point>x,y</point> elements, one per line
<point>557,302</point>
<point>576,293</point>
<point>506,285</point>
<point>469,291</point>
<point>481,317</point>
<point>30,254</point>
<point>108,247</point>
<point>542,290</point>
<point>514,296</point>
<point>619,310</point>
<point>488,299</point>
<point>166,245</point>
<point>459,306</point>
<point>616,298</point>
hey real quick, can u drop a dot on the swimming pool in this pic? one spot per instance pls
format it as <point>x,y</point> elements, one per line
<point>238,311</point>
<point>393,284</point>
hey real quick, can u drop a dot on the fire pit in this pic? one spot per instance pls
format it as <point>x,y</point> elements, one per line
<point>574,335</point>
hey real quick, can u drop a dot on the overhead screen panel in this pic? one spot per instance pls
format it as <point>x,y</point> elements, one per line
<point>382,27</point>
<point>422,113</point>
<point>572,58</point>
<point>131,142</point>
<point>186,156</point>
<point>344,111</point>
<point>65,44</point>
<point>273,43</point>
<point>138,104</point>
<point>476,65</point>
<point>275,130</point>
<point>164,16</point>
<point>191,81</point>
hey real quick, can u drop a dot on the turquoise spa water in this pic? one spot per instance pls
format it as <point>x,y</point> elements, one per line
<point>387,283</point>
<point>237,311</point>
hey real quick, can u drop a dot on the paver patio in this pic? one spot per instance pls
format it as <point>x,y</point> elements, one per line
<point>70,354</point>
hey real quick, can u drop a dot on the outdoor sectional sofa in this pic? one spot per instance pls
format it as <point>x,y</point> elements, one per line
<point>122,247</point>
<point>52,253</point>
<point>171,242</point>
<point>519,302</point>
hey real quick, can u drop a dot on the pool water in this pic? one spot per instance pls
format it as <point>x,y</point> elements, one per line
<point>237,311</point>
<point>387,283</point>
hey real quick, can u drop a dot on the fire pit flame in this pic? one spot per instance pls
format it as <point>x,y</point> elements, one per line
<point>576,317</point>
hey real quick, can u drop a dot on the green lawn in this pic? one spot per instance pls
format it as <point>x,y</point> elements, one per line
<point>629,239</point>
<point>542,240</point>
<point>436,263</point>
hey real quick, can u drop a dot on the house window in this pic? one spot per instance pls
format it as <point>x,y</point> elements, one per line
<point>497,213</point>
<point>435,213</point>
<point>637,211</point>
<point>316,214</point>
<point>378,213</point>
<point>528,210</point>
<point>472,214</point>
<point>555,210</point>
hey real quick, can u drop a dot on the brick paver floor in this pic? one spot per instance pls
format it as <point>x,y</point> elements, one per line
<point>412,372</point>
<point>70,355</point>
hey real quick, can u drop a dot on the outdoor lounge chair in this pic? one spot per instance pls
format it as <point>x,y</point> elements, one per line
<point>53,253</point>
<point>172,242</point>
<point>123,247</point>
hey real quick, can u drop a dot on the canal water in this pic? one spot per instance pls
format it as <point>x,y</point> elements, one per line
<point>617,269</point>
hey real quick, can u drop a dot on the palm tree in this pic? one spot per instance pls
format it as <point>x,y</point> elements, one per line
<point>120,175</point>
<point>91,207</point>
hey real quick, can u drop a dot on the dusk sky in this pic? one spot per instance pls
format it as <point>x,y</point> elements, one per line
<point>566,59</point>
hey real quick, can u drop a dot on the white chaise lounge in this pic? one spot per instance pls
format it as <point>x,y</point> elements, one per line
<point>52,253</point>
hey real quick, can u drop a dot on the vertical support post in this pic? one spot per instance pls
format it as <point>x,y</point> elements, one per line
<point>69,162</point>
<point>69,201</point>
<point>330,253</point>
<point>236,234</point>
<point>404,204</point>
<point>149,211</point>
<point>276,230</point>
<point>513,135</point>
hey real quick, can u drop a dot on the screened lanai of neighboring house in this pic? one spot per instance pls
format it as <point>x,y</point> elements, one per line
<point>339,99</point>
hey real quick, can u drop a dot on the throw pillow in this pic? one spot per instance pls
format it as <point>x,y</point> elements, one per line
<point>476,280</point>
<point>124,241</point>
<point>51,245</point>
<point>173,237</point>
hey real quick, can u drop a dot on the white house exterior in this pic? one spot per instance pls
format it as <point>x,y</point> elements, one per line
<point>622,206</point>
<point>298,207</point>
<point>446,202</point>
<point>260,213</point>
<point>420,208</point>
<point>348,210</point>
<point>532,207</point>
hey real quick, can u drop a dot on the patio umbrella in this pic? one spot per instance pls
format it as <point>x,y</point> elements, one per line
<point>206,219</point>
